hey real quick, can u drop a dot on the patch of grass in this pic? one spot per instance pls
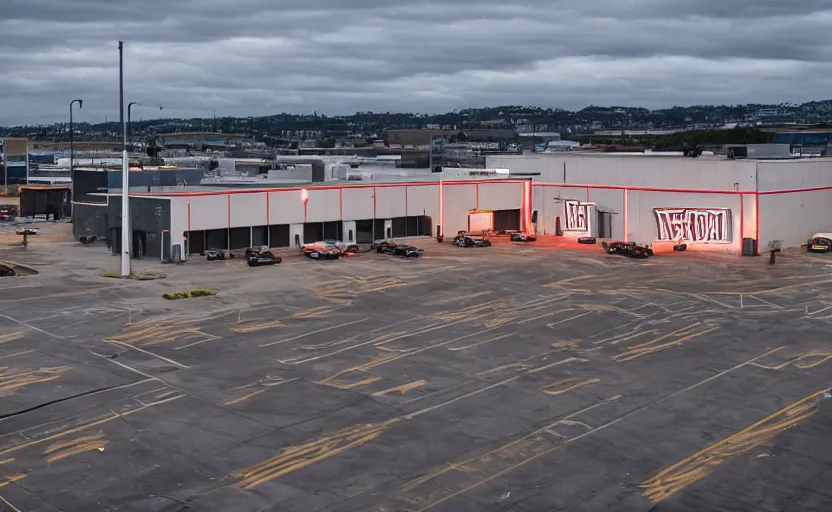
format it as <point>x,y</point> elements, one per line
<point>199,292</point>
<point>147,276</point>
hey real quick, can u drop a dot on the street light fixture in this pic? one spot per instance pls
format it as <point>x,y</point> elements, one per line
<point>72,145</point>
<point>129,110</point>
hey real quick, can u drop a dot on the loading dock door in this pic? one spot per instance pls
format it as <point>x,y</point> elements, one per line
<point>313,232</point>
<point>364,231</point>
<point>507,220</point>
<point>196,242</point>
<point>480,221</point>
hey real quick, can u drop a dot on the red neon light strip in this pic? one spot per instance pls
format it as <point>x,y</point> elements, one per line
<point>645,189</point>
<point>626,217</point>
<point>757,218</point>
<point>328,187</point>
<point>441,208</point>
<point>793,191</point>
<point>742,218</point>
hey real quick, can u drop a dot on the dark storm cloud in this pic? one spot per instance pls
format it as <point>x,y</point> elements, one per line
<point>253,57</point>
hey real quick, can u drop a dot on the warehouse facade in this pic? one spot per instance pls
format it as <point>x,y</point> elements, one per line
<point>291,216</point>
<point>709,203</point>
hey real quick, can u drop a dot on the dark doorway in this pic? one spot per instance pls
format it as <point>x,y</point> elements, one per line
<point>399,227</point>
<point>425,226</point>
<point>604,225</point>
<point>333,230</point>
<point>216,239</point>
<point>240,238</point>
<point>313,232</point>
<point>507,220</point>
<point>139,244</point>
<point>279,235</point>
<point>259,236</point>
<point>364,231</point>
<point>195,242</point>
<point>378,229</point>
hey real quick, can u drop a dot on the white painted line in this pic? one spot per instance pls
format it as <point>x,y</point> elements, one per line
<point>569,319</point>
<point>30,326</point>
<point>311,333</point>
<point>143,351</point>
<point>19,353</point>
<point>467,395</point>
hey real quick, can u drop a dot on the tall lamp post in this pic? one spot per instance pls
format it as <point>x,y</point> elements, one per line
<point>72,148</point>
<point>125,173</point>
<point>130,108</point>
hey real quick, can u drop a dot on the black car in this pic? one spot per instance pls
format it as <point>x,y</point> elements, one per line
<point>630,249</point>
<point>212,255</point>
<point>262,256</point>
<point>407,251</point>
<point>397,249</point>
<point>519,236</point>
<point>470,241</point>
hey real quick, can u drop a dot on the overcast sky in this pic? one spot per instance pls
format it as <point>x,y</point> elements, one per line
<point>259,57</point>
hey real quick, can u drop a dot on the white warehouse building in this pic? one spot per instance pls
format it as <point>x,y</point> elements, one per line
<point>710,203</point>
<point>291,216</point>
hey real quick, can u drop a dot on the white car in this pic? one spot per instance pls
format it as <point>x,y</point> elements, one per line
<point>820,242</point>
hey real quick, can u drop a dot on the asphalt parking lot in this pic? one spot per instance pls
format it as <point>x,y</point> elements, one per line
<point>509,378</point>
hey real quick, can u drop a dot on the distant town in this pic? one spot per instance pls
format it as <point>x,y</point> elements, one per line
<point>319,130</point>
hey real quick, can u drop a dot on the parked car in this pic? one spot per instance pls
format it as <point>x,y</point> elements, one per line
<point>348,247</point>
<point>519,236</point>
<point>261,256</point>
<point>397,249</point>
<point>470,241</point>
<point>630,249</point>
<point>820,242</point>
<point>212,255</point>
<point>321,251</point>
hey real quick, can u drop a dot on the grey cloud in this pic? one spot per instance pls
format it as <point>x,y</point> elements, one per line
<point>254,57</point>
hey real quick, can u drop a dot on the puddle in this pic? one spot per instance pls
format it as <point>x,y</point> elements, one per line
<point>12,269</point>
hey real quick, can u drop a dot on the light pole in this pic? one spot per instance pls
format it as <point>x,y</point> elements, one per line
<point>130,108</point>
<point>72,148</point>
<point>125,173</point>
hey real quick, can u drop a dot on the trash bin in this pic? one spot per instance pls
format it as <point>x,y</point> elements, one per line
<point>749,247</point>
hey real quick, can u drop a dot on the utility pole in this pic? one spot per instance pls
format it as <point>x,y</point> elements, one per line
<point>126,237</point>
<point>72,148</point>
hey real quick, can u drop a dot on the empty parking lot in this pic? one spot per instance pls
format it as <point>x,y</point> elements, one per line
<point>514,377</point>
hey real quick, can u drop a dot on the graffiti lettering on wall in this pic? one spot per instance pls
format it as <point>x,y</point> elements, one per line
<point>575,213</point>
<point>694,224</point>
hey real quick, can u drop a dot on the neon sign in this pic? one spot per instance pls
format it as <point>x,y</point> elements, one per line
<point>576,215</point>
<point>693,224</point>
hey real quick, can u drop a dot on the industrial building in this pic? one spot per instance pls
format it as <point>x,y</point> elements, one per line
<point>710,203</point>
<point>197,220</point>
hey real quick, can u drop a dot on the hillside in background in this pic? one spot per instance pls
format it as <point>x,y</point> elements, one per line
<point>273,128</point>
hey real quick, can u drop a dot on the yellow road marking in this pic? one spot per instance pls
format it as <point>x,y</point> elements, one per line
<point>404,388</point>
<point>701,464</point>
<point>244,397</point>
<point>83,444</point>
<point>562,386</point>
<point>294,458</point>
